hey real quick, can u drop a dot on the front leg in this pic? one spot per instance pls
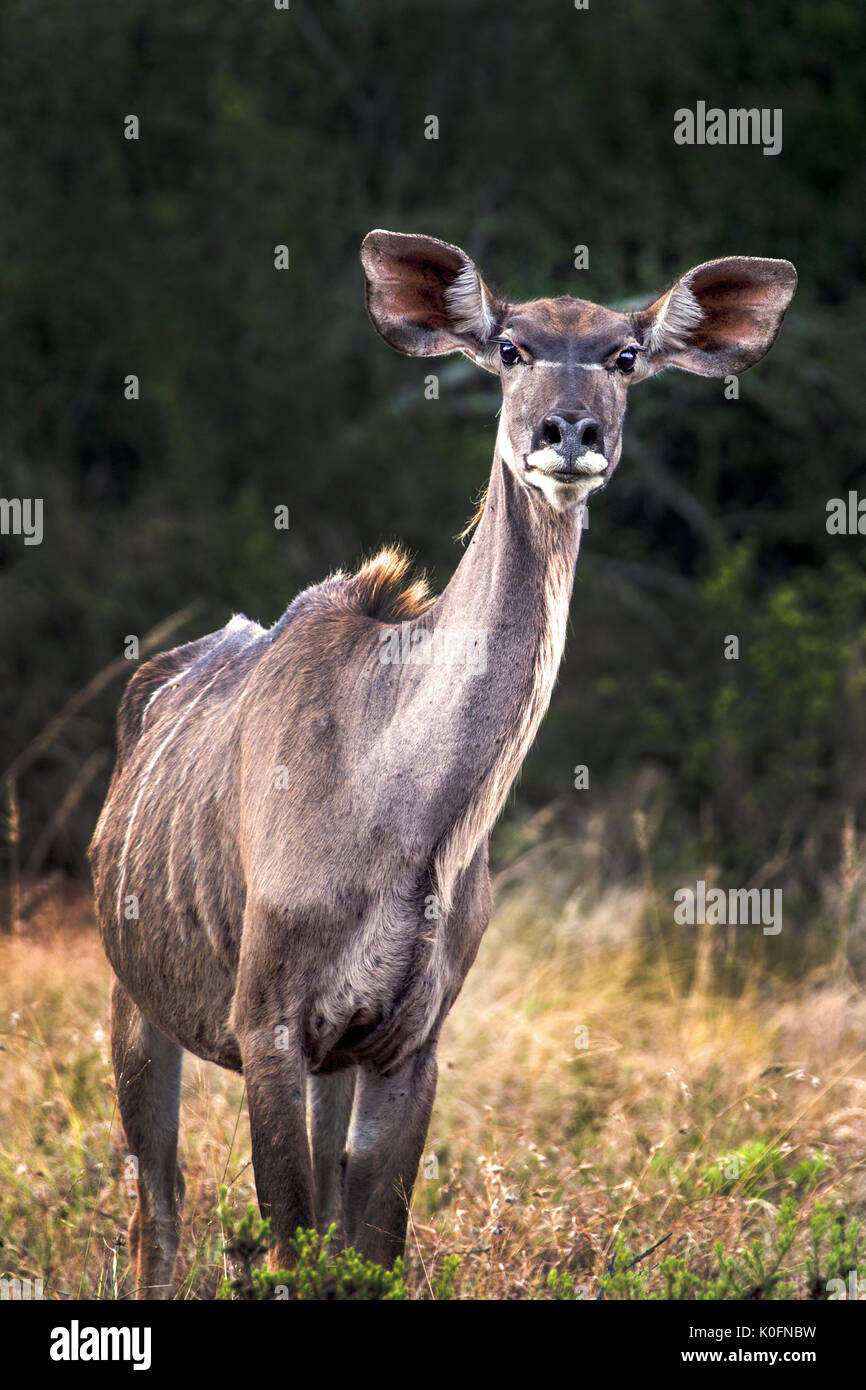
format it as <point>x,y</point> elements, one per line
<point>386,1140</point>
<point>276,1079</point>
<point>330,1106</point>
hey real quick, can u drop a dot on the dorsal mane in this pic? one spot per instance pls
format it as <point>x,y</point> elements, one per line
<point>381,590</point>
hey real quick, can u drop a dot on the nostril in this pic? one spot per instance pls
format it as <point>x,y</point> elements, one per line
<point>570,433</point>
<point>589,436</point>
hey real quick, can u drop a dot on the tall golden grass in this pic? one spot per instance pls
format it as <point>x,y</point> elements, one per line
<point>547,1142</point>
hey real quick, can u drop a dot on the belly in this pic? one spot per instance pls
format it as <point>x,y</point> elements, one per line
<point>170,904</point>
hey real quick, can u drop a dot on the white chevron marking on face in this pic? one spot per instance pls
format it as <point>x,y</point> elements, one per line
<point>582,366</point>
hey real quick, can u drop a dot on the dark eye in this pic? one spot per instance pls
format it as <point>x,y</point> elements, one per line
<point>509,354</point>
<point>627,359</point>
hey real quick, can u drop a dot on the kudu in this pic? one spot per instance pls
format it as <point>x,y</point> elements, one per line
<point>291,865</point>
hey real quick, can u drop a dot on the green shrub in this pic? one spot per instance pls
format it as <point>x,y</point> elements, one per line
<point>766,1269</point>
<point>316,1275</point>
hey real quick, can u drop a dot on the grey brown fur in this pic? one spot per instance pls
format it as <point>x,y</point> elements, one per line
<point>302,827</point>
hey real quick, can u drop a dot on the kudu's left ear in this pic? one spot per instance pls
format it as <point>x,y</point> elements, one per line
<point>426,297</point>
<point>719,318</point>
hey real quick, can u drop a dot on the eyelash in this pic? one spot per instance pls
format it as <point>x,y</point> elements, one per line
<point>631,347</point>
<point>506,342</point>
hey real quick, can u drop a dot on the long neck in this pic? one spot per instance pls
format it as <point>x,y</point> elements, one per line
<point>513,588</point>
<point>517,574</point>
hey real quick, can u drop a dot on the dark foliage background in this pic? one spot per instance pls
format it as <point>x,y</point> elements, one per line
<point>261,387</point>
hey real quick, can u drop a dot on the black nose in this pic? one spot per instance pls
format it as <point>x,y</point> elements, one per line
<point>569,432</point>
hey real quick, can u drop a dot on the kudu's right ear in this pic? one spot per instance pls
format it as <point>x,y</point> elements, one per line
<point>426,297</point>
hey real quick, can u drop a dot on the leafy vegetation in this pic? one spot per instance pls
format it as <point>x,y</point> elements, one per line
<point>316,1274</point>
<point>764,1269</point>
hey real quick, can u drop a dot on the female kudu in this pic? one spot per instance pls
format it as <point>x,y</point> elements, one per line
<point>291,864</point>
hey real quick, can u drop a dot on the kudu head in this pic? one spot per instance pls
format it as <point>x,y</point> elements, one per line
<point>566,365</point>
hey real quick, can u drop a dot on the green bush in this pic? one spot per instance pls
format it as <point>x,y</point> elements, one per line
<point>768,1268</point>
<point>316,1274</point>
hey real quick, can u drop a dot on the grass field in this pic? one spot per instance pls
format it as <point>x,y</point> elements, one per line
<point>678,1112</point>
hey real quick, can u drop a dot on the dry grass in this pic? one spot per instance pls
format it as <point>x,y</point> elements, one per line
<point>545,1150</point>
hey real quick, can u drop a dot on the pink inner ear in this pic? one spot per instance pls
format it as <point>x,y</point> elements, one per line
<point>412,286</point>
<point>736,311</point>
<point>415,293</point>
